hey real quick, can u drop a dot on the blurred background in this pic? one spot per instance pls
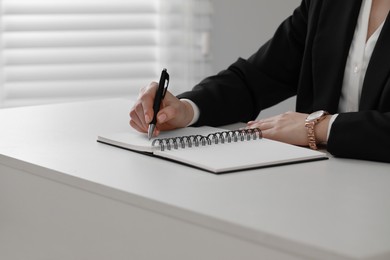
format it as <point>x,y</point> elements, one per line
<point>67,50</point>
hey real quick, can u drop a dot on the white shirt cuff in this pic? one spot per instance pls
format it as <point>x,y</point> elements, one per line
<point>196,110</point>
<point>331,120</point>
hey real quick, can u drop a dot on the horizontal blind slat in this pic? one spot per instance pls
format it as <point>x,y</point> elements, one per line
<point>93,88</point>
<point>77,6</point>
<point>57,50</point>
<point>77,39</point>
<point>78,71</point>
<point>25,23</point>
<point>15,57</point>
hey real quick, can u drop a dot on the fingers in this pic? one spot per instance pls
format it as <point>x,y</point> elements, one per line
<point>166,114</point>
<point>273,121</point>
<point>142,111</point>
<point>172,113</point>
<point>261,124</point>
<point>288,127</point>
<point>169,117</point>
<point>137,118</point>
<point>267,127</point>
<point>147,99</point>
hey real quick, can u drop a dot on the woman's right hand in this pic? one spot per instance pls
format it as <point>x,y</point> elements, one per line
<point>173,113</point>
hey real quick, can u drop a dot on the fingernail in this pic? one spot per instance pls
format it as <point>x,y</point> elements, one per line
<point>147,119</point>
<point>161,118</point>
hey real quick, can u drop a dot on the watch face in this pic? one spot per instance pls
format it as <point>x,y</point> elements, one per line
<point>315,115</point>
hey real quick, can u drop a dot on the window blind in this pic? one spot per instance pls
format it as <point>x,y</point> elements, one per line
<point>185,28</point>
<point>66,50</point>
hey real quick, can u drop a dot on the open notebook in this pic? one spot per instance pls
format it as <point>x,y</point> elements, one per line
<point>213,149</point>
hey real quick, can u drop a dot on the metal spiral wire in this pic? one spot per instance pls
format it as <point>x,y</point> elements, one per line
<point>201,140</point>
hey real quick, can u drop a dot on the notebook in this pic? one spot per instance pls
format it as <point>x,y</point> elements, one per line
<point>213,149</point>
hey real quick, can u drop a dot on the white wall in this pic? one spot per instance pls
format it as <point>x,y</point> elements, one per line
<point>240,27</point>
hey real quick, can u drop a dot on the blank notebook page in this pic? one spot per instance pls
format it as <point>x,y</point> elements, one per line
<point>238,155</point>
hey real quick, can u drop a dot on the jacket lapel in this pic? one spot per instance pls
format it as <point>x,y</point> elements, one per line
<point>378,70</point>
<point>336,28</point>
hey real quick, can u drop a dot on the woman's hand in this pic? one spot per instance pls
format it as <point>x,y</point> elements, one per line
<point>173,112</point>
<point>290,128</point>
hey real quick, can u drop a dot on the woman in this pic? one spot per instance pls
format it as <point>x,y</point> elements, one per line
<point>334,55</point>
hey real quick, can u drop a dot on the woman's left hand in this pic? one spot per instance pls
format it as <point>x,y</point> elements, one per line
<point>288,128</point>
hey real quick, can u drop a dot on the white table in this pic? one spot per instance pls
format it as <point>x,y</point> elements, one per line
<point>65,196</point>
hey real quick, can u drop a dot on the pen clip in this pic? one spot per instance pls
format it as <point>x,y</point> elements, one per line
<point>166,84</point>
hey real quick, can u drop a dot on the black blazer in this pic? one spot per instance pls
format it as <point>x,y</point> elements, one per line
<point>306,57</point>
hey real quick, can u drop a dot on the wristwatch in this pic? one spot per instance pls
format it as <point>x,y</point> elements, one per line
<point>311,120</point>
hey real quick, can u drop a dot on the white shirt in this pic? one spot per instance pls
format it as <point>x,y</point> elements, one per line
<point>355,69</point>
<point>358,58</point>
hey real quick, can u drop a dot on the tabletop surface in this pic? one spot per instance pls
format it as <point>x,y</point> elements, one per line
<point>337,208</point>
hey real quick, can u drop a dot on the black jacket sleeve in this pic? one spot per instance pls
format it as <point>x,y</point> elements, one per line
<point>240,92</point>
<point>306,57</point>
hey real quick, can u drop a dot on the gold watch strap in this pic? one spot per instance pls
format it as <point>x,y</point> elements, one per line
<point>310,126</point>
<point>311,135</point>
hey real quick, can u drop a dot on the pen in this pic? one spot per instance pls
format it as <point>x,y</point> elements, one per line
<point>160,93</point>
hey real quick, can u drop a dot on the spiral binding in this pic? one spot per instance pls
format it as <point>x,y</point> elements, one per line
<point>201,140</point>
